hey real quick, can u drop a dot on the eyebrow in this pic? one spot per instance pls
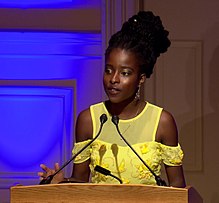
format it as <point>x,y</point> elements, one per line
<point>122,67</point>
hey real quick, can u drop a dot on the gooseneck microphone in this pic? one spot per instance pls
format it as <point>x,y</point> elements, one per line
<point>106,172</point>
<point>47,180</point>
<point>159,181</point>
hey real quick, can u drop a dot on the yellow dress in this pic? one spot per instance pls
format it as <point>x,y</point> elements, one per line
<point>112,153</point>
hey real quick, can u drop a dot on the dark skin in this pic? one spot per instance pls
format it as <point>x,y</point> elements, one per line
<point>121,80</point>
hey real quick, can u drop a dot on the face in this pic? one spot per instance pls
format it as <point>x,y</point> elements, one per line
<point>121,76</point>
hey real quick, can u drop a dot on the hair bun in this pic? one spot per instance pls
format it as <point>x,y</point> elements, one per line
<point>149,29</point>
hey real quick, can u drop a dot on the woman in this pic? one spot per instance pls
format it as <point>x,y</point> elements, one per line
<point>151,130</point>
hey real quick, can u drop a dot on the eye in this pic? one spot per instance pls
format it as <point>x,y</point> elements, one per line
<point>108,70</point>
<point>126,73</point>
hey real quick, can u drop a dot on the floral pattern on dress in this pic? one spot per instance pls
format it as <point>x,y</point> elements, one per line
<point>123,163</point>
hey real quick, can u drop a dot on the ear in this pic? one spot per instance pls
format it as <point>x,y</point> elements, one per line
<point>142,78</point>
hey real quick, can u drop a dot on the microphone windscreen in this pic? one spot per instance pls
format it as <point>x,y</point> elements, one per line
<point>103,118</point>
<point>115,119</point>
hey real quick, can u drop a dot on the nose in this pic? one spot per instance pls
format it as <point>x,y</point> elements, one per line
<point>114,78</point>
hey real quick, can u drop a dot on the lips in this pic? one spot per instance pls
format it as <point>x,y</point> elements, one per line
<point>113,90</point>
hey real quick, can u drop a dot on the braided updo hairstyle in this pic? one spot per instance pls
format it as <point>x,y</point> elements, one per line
<point>144,35</point>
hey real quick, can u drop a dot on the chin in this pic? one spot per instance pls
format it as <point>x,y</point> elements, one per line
<point>115,101</point>
<point>119,101</point>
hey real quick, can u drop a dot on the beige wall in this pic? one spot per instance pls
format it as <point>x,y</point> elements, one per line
<point>194,21</point>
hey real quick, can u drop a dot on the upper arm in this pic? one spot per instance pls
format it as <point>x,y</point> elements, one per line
<point>83,131</point>
<point>167,134</point>
<point>167,131</point>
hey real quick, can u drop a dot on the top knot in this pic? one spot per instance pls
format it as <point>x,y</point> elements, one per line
<point>148,28</point>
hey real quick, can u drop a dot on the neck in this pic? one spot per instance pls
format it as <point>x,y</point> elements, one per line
<point>125,110</point>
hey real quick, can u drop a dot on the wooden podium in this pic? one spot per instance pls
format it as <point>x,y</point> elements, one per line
<point>81,192</point>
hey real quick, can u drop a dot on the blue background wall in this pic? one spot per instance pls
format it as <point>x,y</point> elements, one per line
<point>43,86</point>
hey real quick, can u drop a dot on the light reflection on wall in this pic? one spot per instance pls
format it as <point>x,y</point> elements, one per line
<point>31,127</point>
<point>41,55</point>
<point>48,3</point>
<point>32,119</point>
<point>50,55</point>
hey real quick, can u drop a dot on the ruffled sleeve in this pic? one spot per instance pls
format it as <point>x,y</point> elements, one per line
<point>84,155</point>
<point>172,156</point>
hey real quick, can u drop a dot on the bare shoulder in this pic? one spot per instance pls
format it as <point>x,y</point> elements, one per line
<point>167,129</point>
<point>84,116</point>
<point>84,129</point>
<point>166,118</point>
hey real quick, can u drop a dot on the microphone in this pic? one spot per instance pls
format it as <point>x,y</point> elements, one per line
<point>106,172</point>
<point>159,181</point>
<point>47,180</point>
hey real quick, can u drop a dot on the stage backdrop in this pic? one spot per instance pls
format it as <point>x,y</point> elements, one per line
<point>46,79</point>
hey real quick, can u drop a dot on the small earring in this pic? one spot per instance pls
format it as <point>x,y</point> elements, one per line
<point>137,95</point>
